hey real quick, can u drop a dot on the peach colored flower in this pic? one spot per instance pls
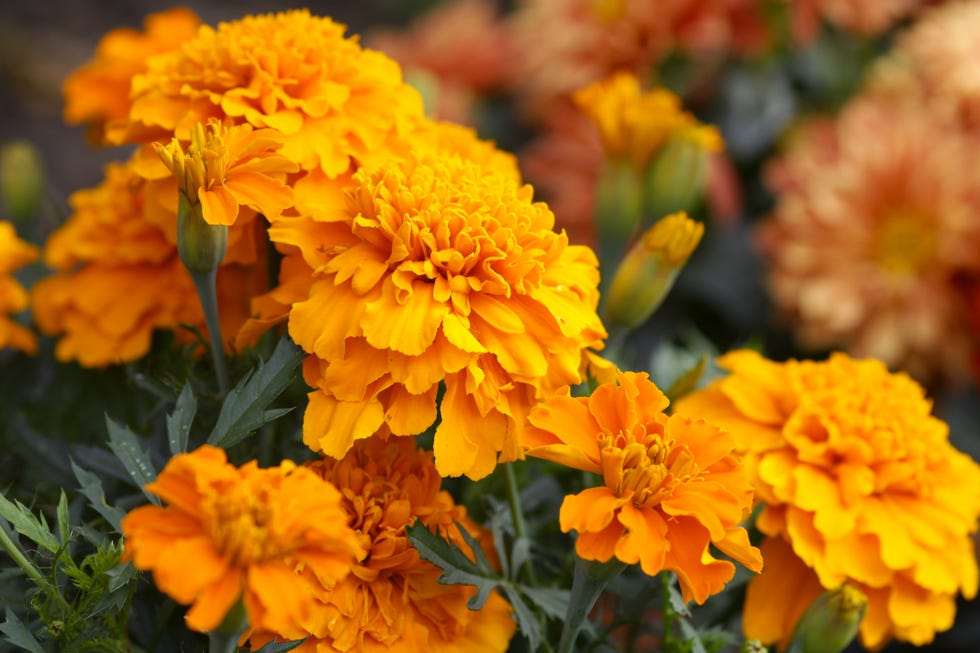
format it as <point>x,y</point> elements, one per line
<point>866,19</point>
<point>14,254</point>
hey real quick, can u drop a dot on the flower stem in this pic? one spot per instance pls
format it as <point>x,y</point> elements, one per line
<point>591,577</point>
<point>517,515</point>
<point>206,284</point>
<point>221,643</point>
<point>668,634</point>
<point>29,569</point>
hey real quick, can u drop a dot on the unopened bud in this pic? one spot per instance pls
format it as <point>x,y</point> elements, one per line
<point>649,269</point>
<point>831,622</point>
<point>619,208</point>
<point>676,177</point>
<point>753,646</point>
<point>201,245</point>
<point>21,180</point>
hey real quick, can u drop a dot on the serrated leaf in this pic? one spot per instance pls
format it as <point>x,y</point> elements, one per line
<point>457,569</point>
<point>64,521</point>
<point>552,600</point>
<point>281,647</point>
<point>692,636</point>
<point>520,553</point>
<point>526,620</point>
<point>91,488</point>
<point>244,409</point>
<point>135,460</point>
<point>27,524</point>
<point>677,601</point>
<point>179,422</point>
<point>18,634</point>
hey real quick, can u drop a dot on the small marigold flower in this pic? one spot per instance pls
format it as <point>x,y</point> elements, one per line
<point>98,92</point>
<point>14,254</point>
<point>270,537</point>
<point>672,486</point>
<point>859,484</point>
<point>393,601</point>
<point>226,167</point>
<point>438,269</point>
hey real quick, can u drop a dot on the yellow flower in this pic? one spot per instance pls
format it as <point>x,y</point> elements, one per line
<point>634,124</point>
<point>333,101</point>
<point>98,92</point>
<point>672,486</point>
<point>393,600</point>
<point>272,537</point>
<point>860,485</point>
<point>437,269</point>
<point>14,254</point>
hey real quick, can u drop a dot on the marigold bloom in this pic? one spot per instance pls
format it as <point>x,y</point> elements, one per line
<point>333,101</point>
<point>672,486</point>
<point>859,484</point>
<point>863,18</point>
<point>226,167</point>
<point>14,254</point>
<point>118,277</point>
<point>438,269</point>
<point>271,537</point>
<point>393,601</point>
<point>891,191</point>
<point>98,92</point>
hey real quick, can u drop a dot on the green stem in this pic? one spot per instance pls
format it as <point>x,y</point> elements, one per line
<point>32,572</point>
<point>207,292</point>
<point>221,643</point>
<point>668,636</point>
<point>517,515</point>
<point>591,578</point>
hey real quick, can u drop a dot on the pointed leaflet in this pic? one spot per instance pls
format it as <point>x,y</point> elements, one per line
<point>179,422</point>
<point>24,522</point>
<point>456,567</point>
<point>91,487</point>
<point>136,460</point>
<point>18,634</point>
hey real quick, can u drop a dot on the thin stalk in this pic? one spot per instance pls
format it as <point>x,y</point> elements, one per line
<point>668,636</point>
<point>32,572</point>
<point>207,292</point>
<point>221,643</point>
<point>591,578</point>
<point>517,515</point>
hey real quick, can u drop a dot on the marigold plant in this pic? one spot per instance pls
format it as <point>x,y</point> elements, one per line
<point>859,484</point>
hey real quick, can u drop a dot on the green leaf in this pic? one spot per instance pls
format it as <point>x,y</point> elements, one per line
<point>692,637</point>
<point>18,634</point>
<point>91,487</point>
<point>64,521</point>
<point>280,647</point>
<point>552,600</point>
<point>179,422</point>
<point>456,567</point>
<point>677,601</point>
<point>244,409</point>
<point>688,381</point>
<point>27,524</point>
<point>526,621</point>
<point>136,460</point>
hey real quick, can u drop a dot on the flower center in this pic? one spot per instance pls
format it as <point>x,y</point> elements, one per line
<point>645,469</point>
<point>240,529</point>
<point>904,243</point>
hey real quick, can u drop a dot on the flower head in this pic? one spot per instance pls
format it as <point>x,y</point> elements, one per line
<point>393,601</point>
<point>98,92</point>
<point>333,101</point>
<point>438,269</point>
<point>226,167</point>
<point>864,18</point>
<point>270,537</point>
<point>859,485</point>
<point>672,486</point>
<point>14,254</point>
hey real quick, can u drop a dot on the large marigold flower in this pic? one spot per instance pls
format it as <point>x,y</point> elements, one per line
<point>270,537</point>
<point>393,600</point>
<point>866,19</point>
<point>14,254</point>
<point>672,486</point>
<point>98,92</point>
<point>438,269</point>
<point>892,193</point>
<point>333,101</point>
<point>860,485</point>
<point>118,276</point>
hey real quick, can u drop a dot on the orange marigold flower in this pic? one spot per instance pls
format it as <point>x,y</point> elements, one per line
<point>229,166</point>
<point>98,92</point>
<point>438,269</point>
<point>672,486</point>
<point>272,537</point>
<point>864,18</point>
<point>393,600</point>
<point>860,485</point>
<point>891,191</point>
<point>14,254</point>
<point>333,101</point>
<point>118,276</point>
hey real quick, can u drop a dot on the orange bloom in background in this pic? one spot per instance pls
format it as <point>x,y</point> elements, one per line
<point>333,101</point>
<point>672,486</point>
<point>438,269</point>
<point>460,48</point>
<point>876,216</point>
<point>14,254</point>
<point>227,167</point>
<point>393,601</point>
<point>859,484</point>
<point>118,277</point>
<point>272,537</point>
<point>866,19</point>
<point>98,92</point>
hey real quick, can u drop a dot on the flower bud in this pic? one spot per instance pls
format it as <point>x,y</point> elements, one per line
<point>649,269</point>
<point>201,245</point>
<point>831,622</point>
<point>676,176</point>
<point>619,208</point>
<point>753,646</point>
<point>21,180</point>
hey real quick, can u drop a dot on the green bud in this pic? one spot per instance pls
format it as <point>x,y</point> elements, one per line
<point>619,208</point>
<point>201,245</point>
<point>676,176</point>
<point>831,622</point>
<point>753,646</point>
<point>21,180</point>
